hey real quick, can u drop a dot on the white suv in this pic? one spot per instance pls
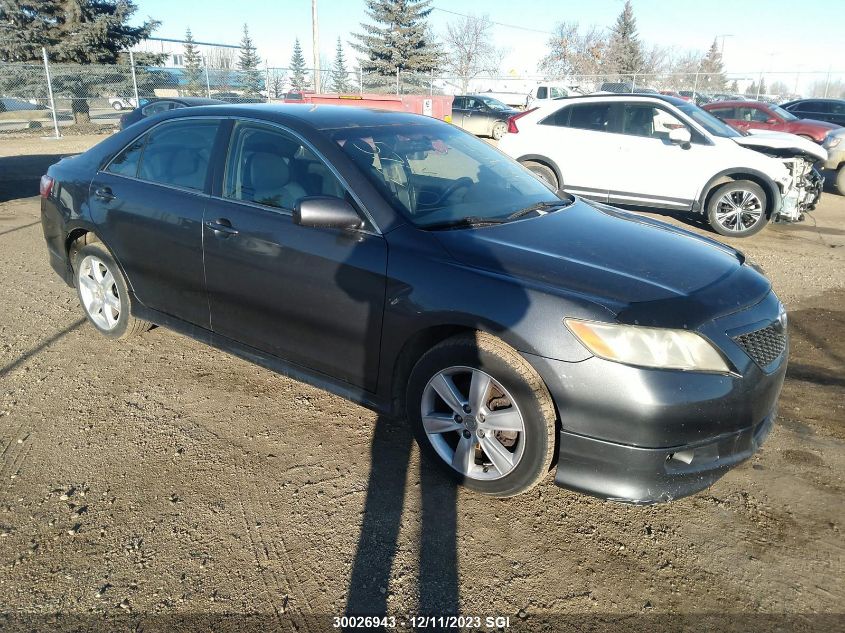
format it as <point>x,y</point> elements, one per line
<point>660,151</point>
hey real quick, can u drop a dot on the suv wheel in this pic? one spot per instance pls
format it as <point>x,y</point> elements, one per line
<point>543,173</point>
<point>737,209</point>
<point>482,412</point>
<point>840,180</point>
<point>499,130</point>
<point>103,293</point>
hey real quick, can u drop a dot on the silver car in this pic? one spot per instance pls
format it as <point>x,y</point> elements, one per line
<point>481,115</point>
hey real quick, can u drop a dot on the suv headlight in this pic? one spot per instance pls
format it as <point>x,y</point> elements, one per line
<point>648,346</point>
<point>831,141</point>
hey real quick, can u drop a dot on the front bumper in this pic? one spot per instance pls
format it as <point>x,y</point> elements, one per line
<point>650,475</point>
<point>646,435</point>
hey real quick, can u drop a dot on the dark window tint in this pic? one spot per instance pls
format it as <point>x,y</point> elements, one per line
<point>590,116</point>
<point>814,106</point>
<point>269,166</point>
<point>542,92</point>
<point>459,103</point>
<point>157,107</point>
<point>178,153</point>
<point>126,163</point>
<point>474,104</point>
<point>559,118</point>
<point>836,108</point>
<point>723,113</point>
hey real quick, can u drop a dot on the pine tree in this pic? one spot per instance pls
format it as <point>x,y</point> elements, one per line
<point>397,39</point>
<point>712,78</point>
<point>734,87</point>
<point>193,67</point>
<point>340,80</point>
<point>625,54</point>
<point>299,77</point>
<point>79,32</point>
<point>248,63</point>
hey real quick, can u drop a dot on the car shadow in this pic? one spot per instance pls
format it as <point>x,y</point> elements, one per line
<point>20,175</point>
<point>10,367</point>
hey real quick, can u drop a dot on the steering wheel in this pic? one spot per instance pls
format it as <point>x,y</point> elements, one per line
<point>464,182</point>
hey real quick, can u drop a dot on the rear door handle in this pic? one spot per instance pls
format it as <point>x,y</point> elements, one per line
<point>222,227</point>
<point>104,194</point>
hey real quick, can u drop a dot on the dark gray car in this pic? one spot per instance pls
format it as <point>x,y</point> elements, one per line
<point>404,264</point>
<point>482,115</point>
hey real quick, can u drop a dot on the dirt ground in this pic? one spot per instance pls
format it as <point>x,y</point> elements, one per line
<point>159,484</point>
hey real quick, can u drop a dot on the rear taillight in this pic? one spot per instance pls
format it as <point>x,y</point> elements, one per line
<point>46,186</point>
<point>512,129</point>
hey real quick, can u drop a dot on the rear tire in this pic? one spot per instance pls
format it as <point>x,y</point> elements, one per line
<point>508,414</point>
<point>737,209</point>
<point>499,130</point>
<point>543,173</point>
<point>103,293</point>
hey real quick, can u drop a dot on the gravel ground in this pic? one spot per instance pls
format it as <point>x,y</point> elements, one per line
<point>158,483</point>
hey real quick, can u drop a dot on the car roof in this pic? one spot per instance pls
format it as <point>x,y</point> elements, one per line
<point>734,102</point>
<point>639,96</point>
<point>826,99</point>
<point>319,116</point>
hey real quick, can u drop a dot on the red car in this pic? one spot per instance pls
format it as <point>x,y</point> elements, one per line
<point>744,115</point>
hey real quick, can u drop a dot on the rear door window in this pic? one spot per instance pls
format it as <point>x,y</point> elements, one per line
<point>590,116</point>
<point>178,153</point>
<point>640,119</point>
<point>723,113</point>
<point>126,163</point>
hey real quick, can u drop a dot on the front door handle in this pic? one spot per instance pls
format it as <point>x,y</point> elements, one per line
<point>104,194</point>
<point>222,227</point>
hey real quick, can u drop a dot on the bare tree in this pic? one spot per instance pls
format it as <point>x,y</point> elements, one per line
<point>572,52</point>
<point>471,52</point>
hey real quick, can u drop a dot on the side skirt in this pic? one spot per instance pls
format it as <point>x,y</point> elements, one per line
<point>275,364</point>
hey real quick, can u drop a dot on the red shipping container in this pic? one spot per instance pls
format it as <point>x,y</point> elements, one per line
<point>437,106</point>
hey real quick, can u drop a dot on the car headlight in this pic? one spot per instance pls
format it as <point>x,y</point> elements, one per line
<point>832,141</point>
<point>648,346</point>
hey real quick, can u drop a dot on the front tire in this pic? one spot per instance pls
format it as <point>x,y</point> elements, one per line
<point>103,293</point>
<point>840,180</point>
<point>737,209</point>
<point>481,412</point>
<point>543,173</point>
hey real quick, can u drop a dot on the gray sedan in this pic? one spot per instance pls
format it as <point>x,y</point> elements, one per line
<point>481,115</point>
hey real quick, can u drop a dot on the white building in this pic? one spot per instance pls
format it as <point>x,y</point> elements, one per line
<point>215,55</point>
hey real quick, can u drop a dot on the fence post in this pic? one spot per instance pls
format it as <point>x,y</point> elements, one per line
<point>50,92</point>
<point>634,82</point>
<point>431,84</point>
<point>361,81</point>
<point>827,83</point>
<point>267,80</point>
<point>207,82</point>
<point>695,88</point>
<point>134,79</point>
<point>397,81</point>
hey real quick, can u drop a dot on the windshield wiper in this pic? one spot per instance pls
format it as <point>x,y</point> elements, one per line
<point>465,222</point>
<point>540,206</point>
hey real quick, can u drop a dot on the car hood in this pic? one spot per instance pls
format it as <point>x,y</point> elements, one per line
<point>763,140</point>
<point>644,271</point>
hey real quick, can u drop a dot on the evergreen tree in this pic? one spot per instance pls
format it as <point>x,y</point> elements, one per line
<point>248,63</point>
<point>340,80</point>
<point>79,32</point>
<point>734,87</point>
<point>625,53</point>
<point>712,78</point>
<point>762,86</point>
<point>397,39</point>
<point>193,67</point>
<point>299,77</point>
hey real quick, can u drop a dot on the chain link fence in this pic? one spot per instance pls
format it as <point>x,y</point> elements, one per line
<point>59,95</point>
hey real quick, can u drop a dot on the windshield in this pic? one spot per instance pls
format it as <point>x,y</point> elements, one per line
<point>436,174</point>
<point>786,115</point>
<point>494,104</point>
<point>708,121</point>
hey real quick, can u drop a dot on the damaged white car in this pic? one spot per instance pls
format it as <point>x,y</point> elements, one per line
<point>660,151</point>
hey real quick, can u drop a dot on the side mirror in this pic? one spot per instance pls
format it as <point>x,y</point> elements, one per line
<point>680,136</point>
<point>326,212</point>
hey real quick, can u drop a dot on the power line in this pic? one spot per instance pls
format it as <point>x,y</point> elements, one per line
<point>508,26</point>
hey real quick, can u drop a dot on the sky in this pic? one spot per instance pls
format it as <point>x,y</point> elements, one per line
<point>759,35</point>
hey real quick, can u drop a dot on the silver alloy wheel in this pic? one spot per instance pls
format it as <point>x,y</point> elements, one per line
<point>738,210</point>
<point>473,423</point>
<point>99,293</point>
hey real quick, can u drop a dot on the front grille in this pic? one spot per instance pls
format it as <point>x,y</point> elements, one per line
<point>764,345</point>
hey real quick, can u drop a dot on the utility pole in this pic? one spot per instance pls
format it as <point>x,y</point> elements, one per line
<point>315,32</point>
